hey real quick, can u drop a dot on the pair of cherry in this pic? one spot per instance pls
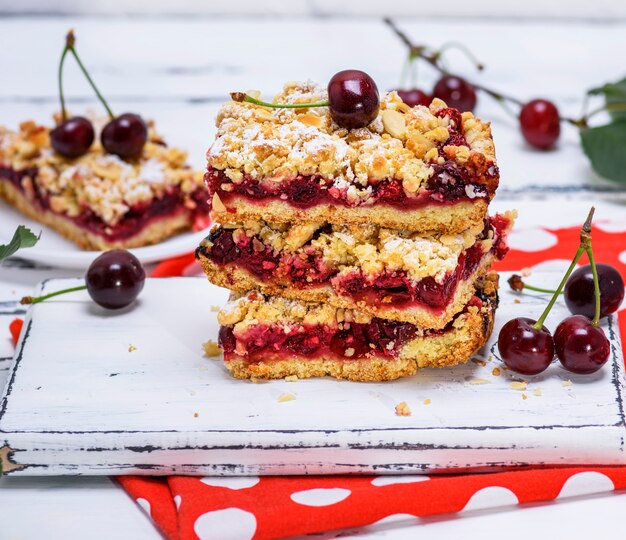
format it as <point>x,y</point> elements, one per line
<point>124,135</point>
<point>591,292</point>
<point>539,119</point>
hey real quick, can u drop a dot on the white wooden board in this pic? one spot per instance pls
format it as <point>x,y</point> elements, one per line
<point>78,402</point>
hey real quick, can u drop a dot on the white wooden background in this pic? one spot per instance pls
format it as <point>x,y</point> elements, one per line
<point>177,69</point>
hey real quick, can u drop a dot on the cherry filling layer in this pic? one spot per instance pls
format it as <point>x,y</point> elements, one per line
<point>307,269</point>
<point>348,341</point>
<point>133,222</point>
<point>450,183</point>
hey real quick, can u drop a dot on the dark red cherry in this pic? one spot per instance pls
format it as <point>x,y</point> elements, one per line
<point>125,136</point>
<point>580,296</point>
<point>226,339</point>
<point>525,349</point>
<point>353,98</point>
<point>539,120</point>
<point>115,279</point>
<point>580,346</point>
<point>456,92</point>
<point>72,137</point>
<point>414,97</point>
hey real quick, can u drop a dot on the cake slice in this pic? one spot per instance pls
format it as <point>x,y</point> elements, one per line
<point>99,201</point>
<point>424,280</point>
<point>273,337</point>
<point>412,168</point>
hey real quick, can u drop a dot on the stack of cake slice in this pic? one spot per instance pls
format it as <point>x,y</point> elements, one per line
<point>362,254</point>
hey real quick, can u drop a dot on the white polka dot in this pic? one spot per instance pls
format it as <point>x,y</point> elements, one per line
<point>585,483</point>
<point>227,524</point>
<point>231,482</point>
<point>531,239</point>
<point>552,265</point>
<point>491,497</point>
<point>402,479</point>
<point>622,257</point>
<point>144,504</point>
<point>320,496</point>
<point>409,519</point>
<point>177,501</point>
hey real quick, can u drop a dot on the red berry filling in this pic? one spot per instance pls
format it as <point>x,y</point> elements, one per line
<point>446,186</point>
<point>133,222</point>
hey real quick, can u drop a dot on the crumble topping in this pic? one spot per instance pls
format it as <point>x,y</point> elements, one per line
<point>100,182</point>
<point>402,142</point>
<point>372,249</point>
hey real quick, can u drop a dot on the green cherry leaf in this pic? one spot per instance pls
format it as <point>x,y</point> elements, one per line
<point>22,238</point>
<point>614,94</point>
<point>605,147</point>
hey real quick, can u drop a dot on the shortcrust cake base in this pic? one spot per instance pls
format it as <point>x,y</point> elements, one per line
<point>449,218</point>
<point>156,231</point>
<point>469,333</point>
<point>239,280</point>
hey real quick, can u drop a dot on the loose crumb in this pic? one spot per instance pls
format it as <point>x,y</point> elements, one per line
<point>519,385</point>
<point>537,391</point>
<point>489,358</point>
<point>496,371</point>
<point>195,415</point>
<point>211,348</point>
<point>402,409</point>
<point>254,380</point>
<point>215,309</point>
<point>427,402</point>
<point>131,348</point>
<point>524,396</point>
<point>479,362</point>
<point>567,382</point>
<point>291,378</point>
<point>517,301</point>
<point>286,397</point>
<point>479,381</point>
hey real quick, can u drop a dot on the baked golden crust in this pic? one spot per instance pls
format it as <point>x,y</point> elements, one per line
<point>402,142</point>
<point>469,332</point>
<point>156,231</point>
<point>97,181</point>
<point>453,218</point>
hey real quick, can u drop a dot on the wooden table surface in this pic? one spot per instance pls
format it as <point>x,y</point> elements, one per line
<point>178,70</point>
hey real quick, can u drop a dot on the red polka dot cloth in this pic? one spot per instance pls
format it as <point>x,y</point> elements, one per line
<point>189,508</point>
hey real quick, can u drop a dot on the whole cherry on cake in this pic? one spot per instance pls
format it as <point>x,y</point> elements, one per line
<point>353,99</point>
<point>580,344</point>
<point>113,280</point>
<point>124,135</point>
<point>414,97</point>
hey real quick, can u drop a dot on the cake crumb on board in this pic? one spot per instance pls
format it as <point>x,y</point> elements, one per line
<point>211,348</point>
<point>286,397</point>
<point>402,409</point>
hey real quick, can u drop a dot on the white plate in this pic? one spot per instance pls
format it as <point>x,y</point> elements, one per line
<point>54,250</point>
<point>81,400</point>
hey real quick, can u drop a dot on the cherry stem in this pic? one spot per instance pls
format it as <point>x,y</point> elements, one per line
<point>469,54</point>
<point>70,35</point>
<point>243,97</point>
<point>70,41</point>
<point>596,284</point>
<point>584,245</point>
<point>538,289</point>
<point>37,299</point>
<point>434,59</point>
<point>606,107</point>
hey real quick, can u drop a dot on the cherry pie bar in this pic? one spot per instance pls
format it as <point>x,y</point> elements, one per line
<point>412,168</point>
<point>273,337</point>
<point>423,280</point>
<point>98,200</point>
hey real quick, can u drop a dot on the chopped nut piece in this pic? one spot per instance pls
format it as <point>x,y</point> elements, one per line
<point>519,385</point>
<point>517,301</point>
<point>394,123</point>
<point>537,391</point>
<point>479,381</point>
<point>211,348</point>
<point>291,378</point>
<point>524,396</point>
<point>286,397</point>
<point>402,409</point>
<point>217,204</point>
<point>567,382</point>
<point>427,402</point>
<point>495,372</point>
<point>195,415</point>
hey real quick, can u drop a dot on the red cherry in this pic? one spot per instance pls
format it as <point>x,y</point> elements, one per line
<point>125,136</point>
<point>115,279</point>
<point>581,346</point>
<point>456,92</point>
<point>72,137</point>
<point>540,123</point>
<point>580,294</point>
<point>353,98</point>
<point>414,97</point>
<point>524,348</point>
